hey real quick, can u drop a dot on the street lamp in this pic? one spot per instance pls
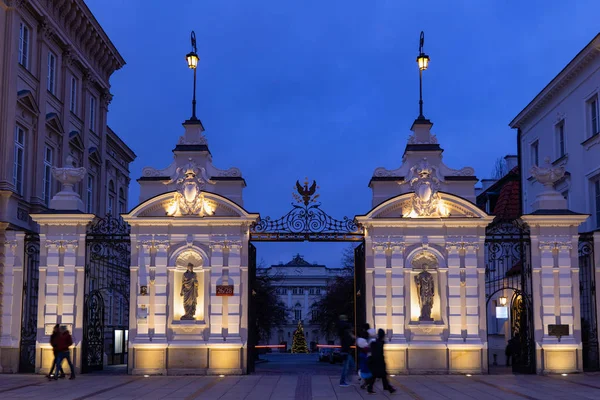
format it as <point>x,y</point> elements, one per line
<point>502,301</point>
<point>423,63</point>
<point>192,61</point>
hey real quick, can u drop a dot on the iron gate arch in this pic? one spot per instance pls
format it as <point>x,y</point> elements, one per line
<point>508,268</point>
<point>305,222</point>
<point>31,275</point>
<point>107,277</point>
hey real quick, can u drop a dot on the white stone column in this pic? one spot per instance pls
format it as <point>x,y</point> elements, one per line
<point>11,294</point>
<point>380,286</point>
<point>159,289</point>
<point>216,302</point>
<point>550,301</point>
<point>454,292</point>
<point>471,290</point>
<point>397,286</point>
<point>234,302</point>
<point>143,302</point>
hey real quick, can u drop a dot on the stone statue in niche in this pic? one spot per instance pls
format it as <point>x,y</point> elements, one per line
<point>425,290</point>
<point>189,291</point>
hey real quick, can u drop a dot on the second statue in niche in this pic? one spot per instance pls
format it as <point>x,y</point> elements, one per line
<point>189,291</point>
<point>425,290</point>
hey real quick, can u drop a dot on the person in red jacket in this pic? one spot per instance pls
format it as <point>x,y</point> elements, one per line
<point>53,341</point>
<point>63,342</point>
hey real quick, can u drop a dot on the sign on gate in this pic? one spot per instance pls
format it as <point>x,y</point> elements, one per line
<point>224,290</point>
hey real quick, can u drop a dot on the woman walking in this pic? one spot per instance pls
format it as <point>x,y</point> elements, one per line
<point>378,364</point>
<point>54,342</point>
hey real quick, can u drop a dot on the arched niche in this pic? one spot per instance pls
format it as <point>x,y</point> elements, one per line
<point>430,260</point>
<point>181,260</point>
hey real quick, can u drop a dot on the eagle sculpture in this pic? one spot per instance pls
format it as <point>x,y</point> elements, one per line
<point>305,191</point>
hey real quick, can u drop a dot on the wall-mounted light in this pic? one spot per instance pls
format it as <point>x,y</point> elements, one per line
<point>502,300</point>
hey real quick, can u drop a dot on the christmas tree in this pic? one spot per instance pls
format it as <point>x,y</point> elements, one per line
<point>299,340</point>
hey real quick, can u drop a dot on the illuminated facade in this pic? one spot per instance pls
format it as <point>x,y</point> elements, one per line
<point>55,91</point>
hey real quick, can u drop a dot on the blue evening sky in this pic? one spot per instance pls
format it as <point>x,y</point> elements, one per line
<point>328,89</point>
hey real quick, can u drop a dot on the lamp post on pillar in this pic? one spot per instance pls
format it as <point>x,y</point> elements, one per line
<point>192,62</point>
<point>423,63</point>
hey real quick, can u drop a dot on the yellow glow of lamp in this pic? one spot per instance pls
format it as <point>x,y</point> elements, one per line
<point>423,61</point>
<point>192,60</point>
<point>502,301</point>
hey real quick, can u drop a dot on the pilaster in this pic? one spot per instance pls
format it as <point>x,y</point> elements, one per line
<point>397,288</point>
<point>234,302</point>
<point>380,285</point>
<point>216,302</point>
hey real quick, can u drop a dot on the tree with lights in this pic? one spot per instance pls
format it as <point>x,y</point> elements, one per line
<point>299,340</point>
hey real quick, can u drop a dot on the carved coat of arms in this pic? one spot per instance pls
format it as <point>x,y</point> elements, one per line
<point>426,201</point>
<point>188,199</point>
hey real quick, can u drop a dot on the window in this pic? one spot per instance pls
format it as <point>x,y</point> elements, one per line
<point>597,198</point>
<point>51,73</point>
<point>298,291</point>
<point>90,194</point>
<point>535,156</point>
<point>120,310</point>
<point>311,291</point>
<point>111,308</point>
<point>318,290</point>
<point>560,139</point>
<point>73,103</point>
<point>594,116</point>
<point>47,189</point>
<point>297,315</point>
<point>92,113</point>
<point>111,203</point>
<point>24,45</point>
<point>315,315</point>
<point>19,160</point>
<point>122,201</point>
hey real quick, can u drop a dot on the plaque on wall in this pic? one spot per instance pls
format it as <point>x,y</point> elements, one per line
<point>224,290</point>
<point>48,328</point>
<point>558,330</point>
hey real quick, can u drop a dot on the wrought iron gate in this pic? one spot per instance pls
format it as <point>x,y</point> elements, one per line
<point>106,305</point>
<point>305,222</point>
<point>31,276</point>
<point>508,274</point>
<point>252,332</point>
<point>587,288</point>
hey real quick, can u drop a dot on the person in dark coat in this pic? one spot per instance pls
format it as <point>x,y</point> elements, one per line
<point>378,368</point>
<point>346,340</point>
<point>54,342</point>
<point>63,342</point>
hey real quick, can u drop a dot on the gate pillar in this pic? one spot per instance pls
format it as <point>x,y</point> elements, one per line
<point>11,293</point>
<point>62,263</point>
<point>555,278</point>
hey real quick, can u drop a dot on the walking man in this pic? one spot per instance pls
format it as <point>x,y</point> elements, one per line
<point>346,340</point>
<point>63,342</point>
<point>54,343</point>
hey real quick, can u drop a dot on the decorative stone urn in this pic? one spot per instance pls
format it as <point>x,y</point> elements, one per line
<point>67,198</point>
<point>549,198</point>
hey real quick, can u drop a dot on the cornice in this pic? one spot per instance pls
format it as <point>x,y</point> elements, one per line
<point>554,220</point>
<point>62,219</point>
<point>572,70</point>
<point>72,24</point>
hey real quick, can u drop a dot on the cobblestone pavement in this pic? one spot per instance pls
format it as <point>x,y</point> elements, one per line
<point>299,387</point>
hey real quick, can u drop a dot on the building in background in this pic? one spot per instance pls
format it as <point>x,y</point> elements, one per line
<point>55,92</point>
<point>562,125</point>
<point>54,97</point>
<point>299,285</point>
